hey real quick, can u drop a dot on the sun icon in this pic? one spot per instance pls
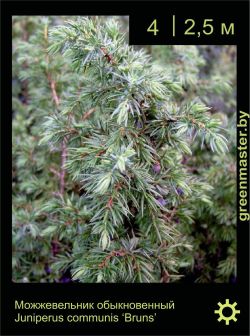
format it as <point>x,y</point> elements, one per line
<point>234,311</point>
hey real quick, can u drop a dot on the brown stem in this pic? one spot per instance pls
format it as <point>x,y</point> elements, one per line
<point>170,215</point>
<point>55,172</point>
<point>117,253</point>
<point>88,114</point>
<point>52,84</point>
<point>24,85</point>
<point>55,97</point>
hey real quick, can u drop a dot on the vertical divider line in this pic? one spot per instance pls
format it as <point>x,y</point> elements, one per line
<point>173,25</point>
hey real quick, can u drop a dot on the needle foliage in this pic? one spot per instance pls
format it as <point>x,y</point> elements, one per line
<point>103,187</point>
